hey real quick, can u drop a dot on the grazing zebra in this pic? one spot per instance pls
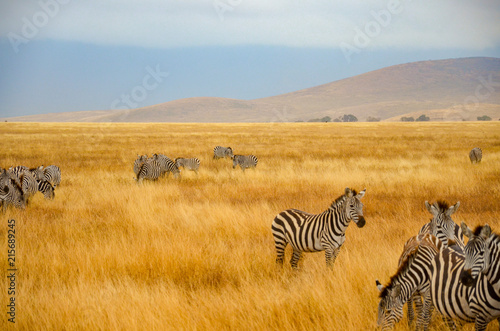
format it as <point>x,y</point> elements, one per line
<point>29,185</point>
<point>139,162</point>
<point>481,272</point>
<point>46,189</point>
<point>221,152</point>
<point>411,279</point>
<point>150,170</point>
<point>166,165</point>
<point>37,172</point>
<point>245,161</point>
<point>314,233</point>
<point>475,155</point>
<point>52,174</point>
<point>191,164</point>
<point>441,225</point>
<point>11,194</point>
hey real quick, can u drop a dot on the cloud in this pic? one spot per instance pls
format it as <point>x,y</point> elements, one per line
<point>294,23</point>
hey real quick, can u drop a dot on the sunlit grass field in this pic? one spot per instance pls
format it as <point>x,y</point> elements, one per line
<point>197,253</point>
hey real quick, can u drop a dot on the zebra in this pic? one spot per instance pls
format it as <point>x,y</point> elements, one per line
<point>139,162</point>
<point>314,233</point>
<point>441,225</point>
<point>190,164</point>
<point>46,188</point>
<point>52,174</point>
<point>166,165</point>
<point>221,152</point>
<point>245,161</point>
<point>11,193</point>
<point>475,155</point>
<point>150,170</point>
<point>411,278</point>
<point>17,171</point>
<point>37,172</point>
<point>29,185</point>
<point>481,272</point>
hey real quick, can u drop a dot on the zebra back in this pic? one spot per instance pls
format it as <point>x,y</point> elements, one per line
<point>188,163</point>
<point>222,152</point>
<point>245,161</point>
<point>52,174</point>
<point>475,155</point>
<point>442,225</point>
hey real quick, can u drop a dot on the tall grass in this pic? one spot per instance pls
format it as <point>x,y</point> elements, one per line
<point>197,253</point>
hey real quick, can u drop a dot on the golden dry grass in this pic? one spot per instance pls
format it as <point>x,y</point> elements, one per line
<point>198,254</point>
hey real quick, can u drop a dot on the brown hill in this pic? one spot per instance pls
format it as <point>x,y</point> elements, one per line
<point>454,89</point>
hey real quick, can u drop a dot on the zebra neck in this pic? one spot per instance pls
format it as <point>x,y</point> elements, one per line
<point>493,273</point>
<point>336,219</point>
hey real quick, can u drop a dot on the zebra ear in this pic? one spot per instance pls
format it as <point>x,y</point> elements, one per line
<point>453,209</point>
<point>485,231</point>
<point>431,208</point>
<point>379,286</point>
<point>466,230</point>
<point>348,192</point>
<point>361,194</point>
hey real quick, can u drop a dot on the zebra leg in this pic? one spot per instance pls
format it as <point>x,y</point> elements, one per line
<point>424,310</point>
<point>450,323</point>
<point>295,258</point>
<point>331,254</point>
<point>280,252</point>
<point>480,324</point>
<point>411,313</point>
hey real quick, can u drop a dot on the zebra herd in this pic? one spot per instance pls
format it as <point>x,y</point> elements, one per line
<point>438,270</point>
<point>156,166</point>
<point>19,184</point>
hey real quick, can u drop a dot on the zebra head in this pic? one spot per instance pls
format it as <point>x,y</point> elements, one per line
<point>354,206</point>
<point>390,307</point>
<point>442,226</point>
<point>477,255</point>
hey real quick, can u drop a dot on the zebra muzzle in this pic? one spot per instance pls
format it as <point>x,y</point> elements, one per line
<point>466,278</point>
<point>361,222</point>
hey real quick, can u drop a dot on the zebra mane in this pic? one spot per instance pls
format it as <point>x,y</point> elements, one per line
<point>442,205</point>
<point>341,199</point>
<point>405,265</point>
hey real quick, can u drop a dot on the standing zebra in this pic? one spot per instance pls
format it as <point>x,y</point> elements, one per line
<point>10,193</point>
<point>150,170</point>
<point>481,272</point>
<point>37,172</point>
<point>52,174</point>
<point>139,162</point>
<point>29,185</point>
<point>441,225</point>
<point>221,152</point>
<point>475,155</point>
<point>315,233</point>
<point>412,278</point>
<point>46,189</point>
<point>166,165</point>
<point>191,164</point>
<point>245,161</point>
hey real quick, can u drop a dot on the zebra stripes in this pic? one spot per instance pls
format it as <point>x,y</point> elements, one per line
<point>475,155</point>
<point>222,152</point>
<point>10,192</point>
<point>441,225</point>
<point>167,166</point>
<point>52,174</point>
<point>139,162</point>
<point>314,233</point>
<point>29,185</point>
<point>245,161</point>
<point>149,170</point>
<point>188,163</point>
<point>410,281</point>
<point>46,189</point>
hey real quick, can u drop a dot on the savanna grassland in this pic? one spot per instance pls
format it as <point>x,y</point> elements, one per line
<point>197,253</point>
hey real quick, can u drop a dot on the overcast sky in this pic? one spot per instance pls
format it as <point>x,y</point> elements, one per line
<point>68,55</point>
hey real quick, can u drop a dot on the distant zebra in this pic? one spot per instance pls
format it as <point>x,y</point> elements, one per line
<point>222,152</point>
<point>150,170</point>
<point>52,174</point>
<point>441,225</point>
<point>245,161</point>
<point>481,273</point>
<point>10,193</point>
<point>475,155</point>
<point>411,278</point>
<point>29,185</point>
<point>139,162</point>
<point>46,189</point>
<point>191,164</point>
<point>315,233</point>
<point>167,166</point>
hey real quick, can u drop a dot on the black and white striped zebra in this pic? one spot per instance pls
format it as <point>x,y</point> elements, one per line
<point>410,280</point>
<point>52,174</point>
<point>222,152</point>
<point>475,155</point>
<point>192,164</point>
<point>46,188</point>
<point>139,162</point>
<point>37,172</point>
<point>167,166</point>
<point>245,161</point>
<point>10,192</point>
<point>29,185</point>
<point>482,272</point>
<point>442,225</point>
<point>315,233</point>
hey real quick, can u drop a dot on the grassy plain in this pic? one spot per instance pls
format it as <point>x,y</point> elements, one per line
<point>198,254</point>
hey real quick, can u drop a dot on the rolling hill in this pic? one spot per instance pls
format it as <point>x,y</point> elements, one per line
<point>453,89</point>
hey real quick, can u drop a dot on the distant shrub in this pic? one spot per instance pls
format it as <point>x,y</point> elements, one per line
<point>373,119</point>
<point>349,118</point>
<point>407,119</point>
<point>484,118</point>
<point>423,118</point>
